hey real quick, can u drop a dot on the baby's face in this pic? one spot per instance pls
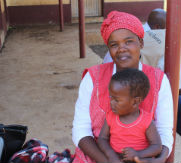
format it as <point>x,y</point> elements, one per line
<point>121,101</point>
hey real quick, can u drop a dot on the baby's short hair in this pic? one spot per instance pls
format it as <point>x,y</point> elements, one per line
<point>135,79</point>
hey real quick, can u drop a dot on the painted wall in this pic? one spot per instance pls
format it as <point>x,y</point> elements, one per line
<point>139,8</point>
<point>24,12</point>
<point>2,5</point>
<point>3,22</point>
<point>34,2</point>
<point>165,5</point>
<point>28,12</point>
<point>128,0</point>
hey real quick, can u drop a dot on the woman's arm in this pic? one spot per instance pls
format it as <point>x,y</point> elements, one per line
<point>164,114</point>
<point>104,145</point>
<point>153,150</point>
<point>82,121</point>
<point>101,152</point>
<point>161,159</point>
<point>90,148</point>
<point>82,135</point>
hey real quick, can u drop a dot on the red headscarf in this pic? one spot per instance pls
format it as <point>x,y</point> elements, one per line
<point>121,20</point>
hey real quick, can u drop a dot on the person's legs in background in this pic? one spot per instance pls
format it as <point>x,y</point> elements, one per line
<point>1,147</point>
<point>179,116</point>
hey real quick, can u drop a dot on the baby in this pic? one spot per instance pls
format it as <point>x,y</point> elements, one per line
<point>128,130</point>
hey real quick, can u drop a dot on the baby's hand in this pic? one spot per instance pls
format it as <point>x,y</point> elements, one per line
<point>129,154</point>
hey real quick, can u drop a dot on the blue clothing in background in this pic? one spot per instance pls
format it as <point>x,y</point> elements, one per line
<point>179,116</point>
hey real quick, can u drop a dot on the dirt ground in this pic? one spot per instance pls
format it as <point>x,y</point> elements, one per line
<point>40,72</point>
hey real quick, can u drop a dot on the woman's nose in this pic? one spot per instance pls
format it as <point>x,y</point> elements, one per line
<point>122,47</point>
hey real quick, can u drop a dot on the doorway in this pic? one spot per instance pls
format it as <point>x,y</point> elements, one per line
<point>91,8</point>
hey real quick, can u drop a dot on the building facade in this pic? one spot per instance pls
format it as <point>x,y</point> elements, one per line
<point>30,12</point>
<point>3,21</point>
<point>47,11</point>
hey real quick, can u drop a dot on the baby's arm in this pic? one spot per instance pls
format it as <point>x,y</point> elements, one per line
<point>153,149</point>
<point>104,145</point>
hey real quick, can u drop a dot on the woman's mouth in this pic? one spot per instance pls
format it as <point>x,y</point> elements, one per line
<point>123,58</point>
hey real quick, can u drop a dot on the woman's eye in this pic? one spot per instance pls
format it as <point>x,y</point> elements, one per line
<point>113,45</point>
<point>129,41</point>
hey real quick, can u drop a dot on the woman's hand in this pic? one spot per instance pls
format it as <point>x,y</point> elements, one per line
<point>114,160</point>
<point>115,157</point>
<point>148,160</point>
<point>160,159</point>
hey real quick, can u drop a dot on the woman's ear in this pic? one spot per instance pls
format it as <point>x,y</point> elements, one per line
<point>141,43</point>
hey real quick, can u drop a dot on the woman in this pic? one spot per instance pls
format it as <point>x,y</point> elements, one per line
<point>123,34</point>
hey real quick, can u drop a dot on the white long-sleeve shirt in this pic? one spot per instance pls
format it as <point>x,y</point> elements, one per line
<point>163,115</point>
<point>161,66</point>
<point>146,27</point>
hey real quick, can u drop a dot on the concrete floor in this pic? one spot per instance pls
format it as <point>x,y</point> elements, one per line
<point>40,72</point>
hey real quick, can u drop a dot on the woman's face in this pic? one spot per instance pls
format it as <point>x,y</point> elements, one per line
<point>124,47</point>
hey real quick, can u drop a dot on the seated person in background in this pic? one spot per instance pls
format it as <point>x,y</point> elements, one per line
<point>154,40</point>
<point>156,20</point>
<point>154,45</point>
<point>129,129</point>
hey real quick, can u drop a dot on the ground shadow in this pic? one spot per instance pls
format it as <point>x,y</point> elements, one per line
<point>100,50</point>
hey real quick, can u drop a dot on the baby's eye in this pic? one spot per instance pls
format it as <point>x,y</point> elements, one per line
<point>116,100</point>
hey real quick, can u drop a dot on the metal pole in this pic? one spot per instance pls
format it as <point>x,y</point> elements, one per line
<point>6,11</point>
<point>81,29</point>
<point>0,18</point>
<point>61,15</point>
<point>172,56</point>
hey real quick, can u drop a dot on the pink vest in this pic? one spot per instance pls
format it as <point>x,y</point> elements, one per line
<point>100,104</point>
